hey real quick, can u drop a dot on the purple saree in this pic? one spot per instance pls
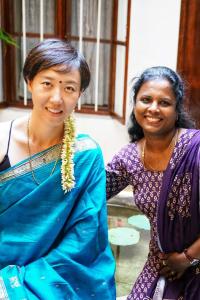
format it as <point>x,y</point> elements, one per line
<point>170,200</point>
<point>178,219</point>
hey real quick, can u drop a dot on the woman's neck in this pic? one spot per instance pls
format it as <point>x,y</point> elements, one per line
<point>156,152</point>
<point>159,144</point>
<point>42,134</point>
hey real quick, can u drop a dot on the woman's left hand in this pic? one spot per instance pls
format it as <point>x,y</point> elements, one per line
<point>173,265</point>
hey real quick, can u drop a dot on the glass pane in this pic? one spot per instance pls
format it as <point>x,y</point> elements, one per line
<point>119,80</point>
<point>75,15</point>
<point>106,19</point>
<point>104,73</point>
<point>33,16</point>
<point>90,15</point>
<point>122,20</point>
<point>17,15</point>
<point>30,43</point>
<point>89,51</point>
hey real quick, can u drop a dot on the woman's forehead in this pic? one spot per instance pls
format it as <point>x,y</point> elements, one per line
<point>58,70</point>
<point>158,81</point>
<point>161,86</point>
<point>55,73</point>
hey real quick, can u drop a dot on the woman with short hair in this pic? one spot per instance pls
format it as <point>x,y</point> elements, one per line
<point>53,219</point>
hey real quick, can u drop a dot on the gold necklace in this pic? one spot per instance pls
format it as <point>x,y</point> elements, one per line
<point>30,161</point>
<point>172,142</point>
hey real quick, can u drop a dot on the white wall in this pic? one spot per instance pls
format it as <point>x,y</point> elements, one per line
<point>108,132</point>
<point>1,88</point>
<point>154,34</point>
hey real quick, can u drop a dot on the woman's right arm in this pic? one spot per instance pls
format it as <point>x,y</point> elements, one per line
<point>116,175</point>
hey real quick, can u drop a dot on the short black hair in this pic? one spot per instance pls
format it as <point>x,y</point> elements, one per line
<point>56,52</point>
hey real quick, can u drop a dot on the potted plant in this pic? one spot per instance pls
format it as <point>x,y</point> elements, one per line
<point>4,36</point>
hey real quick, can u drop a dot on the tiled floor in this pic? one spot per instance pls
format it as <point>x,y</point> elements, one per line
<point>131,258</point>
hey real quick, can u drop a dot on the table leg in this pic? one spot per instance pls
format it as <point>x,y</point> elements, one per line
<point>117,253</point>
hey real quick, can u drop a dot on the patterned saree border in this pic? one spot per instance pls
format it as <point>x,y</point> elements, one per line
<point>82,144</point>
<point>36,162</point>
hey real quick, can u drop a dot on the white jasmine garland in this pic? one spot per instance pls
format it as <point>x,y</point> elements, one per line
<point>67,155</point>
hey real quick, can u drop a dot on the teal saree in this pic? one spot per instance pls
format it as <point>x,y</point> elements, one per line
<point>55,245</point>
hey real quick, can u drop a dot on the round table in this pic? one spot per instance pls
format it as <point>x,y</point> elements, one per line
<point>139,221</point>
<point>123,236</point>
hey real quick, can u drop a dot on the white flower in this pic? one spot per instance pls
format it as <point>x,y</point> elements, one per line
<point>67,155</point>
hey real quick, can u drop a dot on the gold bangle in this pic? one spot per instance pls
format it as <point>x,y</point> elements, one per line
<point>192,260</point>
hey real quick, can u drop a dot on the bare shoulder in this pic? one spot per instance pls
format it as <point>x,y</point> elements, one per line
<point>4,129</point>
<point>17,131</point>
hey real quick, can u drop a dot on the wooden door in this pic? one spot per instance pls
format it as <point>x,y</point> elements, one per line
<point>189,54</point>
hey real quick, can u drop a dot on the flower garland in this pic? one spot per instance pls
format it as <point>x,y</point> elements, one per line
<point>67,155</point>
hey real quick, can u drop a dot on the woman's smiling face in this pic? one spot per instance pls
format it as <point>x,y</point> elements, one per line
<point>155,107</point>
<point>55,93</point>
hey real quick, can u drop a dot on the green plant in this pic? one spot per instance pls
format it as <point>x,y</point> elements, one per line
<point>4,36</point>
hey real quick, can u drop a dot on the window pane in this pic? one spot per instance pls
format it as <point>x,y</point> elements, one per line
<point>30,43</point>
<point>17,15</point>
<point>122,20</point>
<point>33,15</point>
<point>119,80</point>
<point>106,19</point>
<point>90,15</point>
<point>104,73</point>
<point>89,51</point>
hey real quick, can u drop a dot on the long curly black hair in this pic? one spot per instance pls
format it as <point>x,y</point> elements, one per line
<point>183,119</point>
